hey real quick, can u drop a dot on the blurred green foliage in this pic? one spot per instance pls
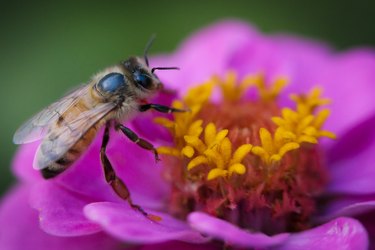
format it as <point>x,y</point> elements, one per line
<point>47,48</point>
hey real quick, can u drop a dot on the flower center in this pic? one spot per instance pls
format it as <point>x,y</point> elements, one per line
<point>245,159</point>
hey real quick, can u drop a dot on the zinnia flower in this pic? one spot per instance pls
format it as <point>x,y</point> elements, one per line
<point>263,159</point>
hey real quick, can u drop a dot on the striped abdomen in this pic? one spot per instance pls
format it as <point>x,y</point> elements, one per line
<point>68,139</point>
<point>71,155</point>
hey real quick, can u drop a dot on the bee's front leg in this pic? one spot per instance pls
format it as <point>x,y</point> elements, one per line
<point>139,141</point>
<point>112,179</point>
<point>160,108</point>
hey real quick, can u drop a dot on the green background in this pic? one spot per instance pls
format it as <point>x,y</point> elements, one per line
<point>47,48</point>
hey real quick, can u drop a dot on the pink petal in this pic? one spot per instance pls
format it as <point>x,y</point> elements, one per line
<point>348,206</point>
<point>177,245</point>
<point>341,233</point>
<point>351,165</point>
<point>139,170</point>
<point>20,228</point>
<point>234,45</point>
<point>207,52</point>
<point>303,60</point>
<point>125,223</point>
<point>61,211</point>
<point>166,76</point>
<point>345,77</point>
<point>136,166</point>
<point>22,165</point>
<point>231,234</point>
<point>368,220</point>
<point>300,60</point>
<point>144,122</point>
<point>349,81</point>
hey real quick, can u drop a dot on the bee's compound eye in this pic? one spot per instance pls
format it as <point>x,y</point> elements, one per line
<point>142,79</point>
<point>111,82</point>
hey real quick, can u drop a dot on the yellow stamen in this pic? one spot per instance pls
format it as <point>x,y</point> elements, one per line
<point>196,143</point>
<point>240,153</point>
<point>307,103</point>
<point>185,124</point>
<point>288,147</point>
<point>233,91</point>
<point>199,160</point>
<point>226,149</point>
<point>209,134</point>
<point>215,173</point>
<point>215,157</point>
<point>164,122</point>
<point>328,134</point>
<point>303,125</point>
<point>195,128</point>
<point>188,151</point>
<point>215,168</point>
<point>207,146</point>
<point>272,149</point>
<point>216,152</point>
<point>237,168</point>
<point>321,117</point>
<point>271,92</point>
<point>266,140</point>
<point>168,151</point>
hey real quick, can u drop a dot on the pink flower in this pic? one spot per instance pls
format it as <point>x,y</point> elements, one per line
<point>78,208</point>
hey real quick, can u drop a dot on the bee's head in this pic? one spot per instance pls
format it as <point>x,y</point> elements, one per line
<point>133,77</point>
<point>141,76</point>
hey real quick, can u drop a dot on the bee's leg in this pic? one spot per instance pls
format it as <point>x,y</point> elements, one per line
<point>139,141</point>
<point>160,108</point>
<point>116,183</point>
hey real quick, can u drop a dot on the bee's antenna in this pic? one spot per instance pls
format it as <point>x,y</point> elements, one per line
<point>148,46</point>
<point>164,68</point>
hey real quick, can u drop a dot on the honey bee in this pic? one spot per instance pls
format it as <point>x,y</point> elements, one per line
<point>67,127</point>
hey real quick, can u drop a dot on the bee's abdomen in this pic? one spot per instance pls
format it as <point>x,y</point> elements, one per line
<point>71,155</point>
<point>51,171</point>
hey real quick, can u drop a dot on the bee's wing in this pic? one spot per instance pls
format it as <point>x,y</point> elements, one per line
<point>37,126</point>
<point>58,141</point>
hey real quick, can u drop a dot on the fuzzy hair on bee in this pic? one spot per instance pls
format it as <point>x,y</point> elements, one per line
<point>67,127</point>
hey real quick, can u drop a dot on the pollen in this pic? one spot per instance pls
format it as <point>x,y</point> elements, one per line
<point>231,90</point>
<point>271,92</point>
<point>215,153</point>
<point>185,124</point>
<point>304,124</point>
<point>240,155</point>
<point>234,91</point>
<point>273,147</point>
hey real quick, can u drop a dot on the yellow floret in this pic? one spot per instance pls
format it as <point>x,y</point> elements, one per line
<point>302,124</point>
<point>215,151</point>
<point>232,90</point>
<point>273,148</point>
<point>185,123</point>
<point>212,150</point>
